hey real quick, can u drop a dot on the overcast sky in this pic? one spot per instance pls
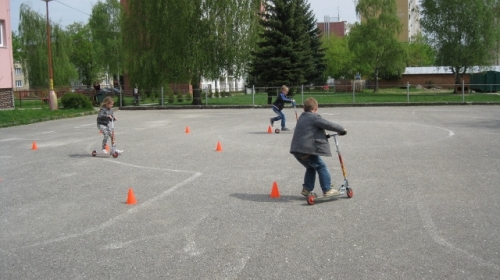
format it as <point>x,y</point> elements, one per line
<point>65,12</point>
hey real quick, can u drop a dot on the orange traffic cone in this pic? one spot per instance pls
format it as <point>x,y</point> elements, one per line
<point>188,130</point>
<point>219,147</point>
<point>106,148</point>
<point>269,129</point>
<point>34,146</point>
<point>131,197</point>
<point>275,193</point>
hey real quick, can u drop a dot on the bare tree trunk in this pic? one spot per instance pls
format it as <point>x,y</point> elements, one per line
<point>196,91</point>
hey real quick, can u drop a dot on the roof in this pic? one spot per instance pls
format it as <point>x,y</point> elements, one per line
<point>445,70</point>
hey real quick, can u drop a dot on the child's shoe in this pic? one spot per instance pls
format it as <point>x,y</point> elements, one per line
<point>271,121</point>
<point>331,192</point>
<point>104,151</point>
<point>305,192</point>
<point>285,129</point>
<point>119,151</point>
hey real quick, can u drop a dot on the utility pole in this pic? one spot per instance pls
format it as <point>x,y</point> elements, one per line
<point>52,94</point>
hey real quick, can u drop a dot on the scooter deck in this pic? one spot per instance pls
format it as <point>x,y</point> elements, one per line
<point>313,198</point>
<point>277,130</point>
<point>114,154</point>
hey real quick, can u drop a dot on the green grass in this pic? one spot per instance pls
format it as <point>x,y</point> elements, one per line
<point>27,116</point>
<point>390,95</point>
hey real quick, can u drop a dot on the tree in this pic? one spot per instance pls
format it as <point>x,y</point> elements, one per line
<point>289,51</point>
<point>374,40</point>
<point>33,37</point>
<point>198,39</point>
<point>419,52</point>
<point>105,26</point>
<point>83,54</point>
<point>339,58</point>
<point>463,33</point>
<point>17,47</point>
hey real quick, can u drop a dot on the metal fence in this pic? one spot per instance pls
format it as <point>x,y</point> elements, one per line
<point>341,92</point>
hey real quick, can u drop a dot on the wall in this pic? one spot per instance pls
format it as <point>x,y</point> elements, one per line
<point>425,80</point>
<point>6,65</point>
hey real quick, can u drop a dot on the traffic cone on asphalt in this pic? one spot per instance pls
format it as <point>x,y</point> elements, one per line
<point>34,146</point>
<point>131,198</point>
<point>188,130</point>
<point>106,148</point>
<point>219,147</point>
<point>269,129</point>
<point>275,193</point>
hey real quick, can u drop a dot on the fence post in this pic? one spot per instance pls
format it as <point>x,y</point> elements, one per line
<point>407,92</point>
<point>253,95</point>
<point>353,92</point>
<point>302,93</point>
<point>463,91</point>
<point>161,101</point>
<point>206,97</point>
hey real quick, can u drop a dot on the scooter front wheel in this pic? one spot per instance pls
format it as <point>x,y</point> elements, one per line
<point>350,192</point>
<point>94,153</point>
<point>311,199</point>
<point>115,154</point>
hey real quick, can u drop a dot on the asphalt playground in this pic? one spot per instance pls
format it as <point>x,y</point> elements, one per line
<point>426,199</point>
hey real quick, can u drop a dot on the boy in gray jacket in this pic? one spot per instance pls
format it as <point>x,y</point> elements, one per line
<point>309,142</point>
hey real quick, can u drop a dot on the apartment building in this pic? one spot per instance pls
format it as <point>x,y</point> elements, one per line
<point>6,65</point>
<point>332,25</point>
<point>409,15</point>
<point>20,81</point>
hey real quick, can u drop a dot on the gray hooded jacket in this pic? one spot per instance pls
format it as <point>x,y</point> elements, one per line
<point>309,136</point>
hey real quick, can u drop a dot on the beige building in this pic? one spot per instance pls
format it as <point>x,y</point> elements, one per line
<point>20,82</point>
<point>409,15</point>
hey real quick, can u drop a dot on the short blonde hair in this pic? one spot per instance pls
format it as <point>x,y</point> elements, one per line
<point>284,88</point>
<point>310,104</point>
<point>107,100</point>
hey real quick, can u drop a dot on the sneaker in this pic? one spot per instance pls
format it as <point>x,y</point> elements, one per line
<point>331,192</point>
<point>104,151</point>
<point>119,151</point>
<point>271,121</point>
<point>285,129</point>
<point>305,192</point>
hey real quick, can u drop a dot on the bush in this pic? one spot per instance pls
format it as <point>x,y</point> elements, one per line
<point>217,94</point>
<point>210,93</point>
<point>189,97</point>
<point>75,101</point>
<point>170,95</point>
<point>179,97</point>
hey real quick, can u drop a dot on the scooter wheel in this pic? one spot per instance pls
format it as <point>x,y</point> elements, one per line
<point>311,199</point>
<point>115,154</point>
<point>349,192</point>
<point>94,153</point>
<point>277,130</point>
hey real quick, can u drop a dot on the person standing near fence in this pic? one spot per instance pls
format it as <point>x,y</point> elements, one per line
<point>136,95</point>
<point>278,105</point>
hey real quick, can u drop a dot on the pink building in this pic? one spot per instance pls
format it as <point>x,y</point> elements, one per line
<point>6,59</point>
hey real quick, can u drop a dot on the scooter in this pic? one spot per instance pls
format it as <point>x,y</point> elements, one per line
<point>113,151</point>
<point>344,188</point>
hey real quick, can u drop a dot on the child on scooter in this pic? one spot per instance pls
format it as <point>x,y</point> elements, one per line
<point>278,105</point>
<point>309,143</point>
<point>104,116</point>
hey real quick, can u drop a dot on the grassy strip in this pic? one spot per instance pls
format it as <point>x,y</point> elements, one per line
<point>27,116</point>
<point>366,97</point>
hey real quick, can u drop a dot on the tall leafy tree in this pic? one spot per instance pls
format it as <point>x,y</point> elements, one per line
<point>206,38</point>
<point>105,26</point>
<point>374,40</point>
<point>339,58</point>
<point>33,37</point>
<point>83,54</point>
<point>463,33</point>
<point>289,51</point>
<point>419,52</point>
<point>17,47</point>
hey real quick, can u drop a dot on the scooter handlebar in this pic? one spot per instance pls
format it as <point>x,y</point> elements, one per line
<point>335,134</point>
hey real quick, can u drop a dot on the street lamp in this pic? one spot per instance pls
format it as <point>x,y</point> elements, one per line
<point>52,94</point>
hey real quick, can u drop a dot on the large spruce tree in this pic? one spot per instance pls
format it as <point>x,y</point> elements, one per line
<point>289,51</point>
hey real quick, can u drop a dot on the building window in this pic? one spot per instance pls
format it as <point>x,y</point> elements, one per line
<point>19,83</point>
<point>19,71</point>
<point>2,33</point>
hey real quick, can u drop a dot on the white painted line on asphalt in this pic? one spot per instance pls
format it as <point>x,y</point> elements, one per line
<point>130,211</point>
<point>80,126</point>
<point>434,233</point>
